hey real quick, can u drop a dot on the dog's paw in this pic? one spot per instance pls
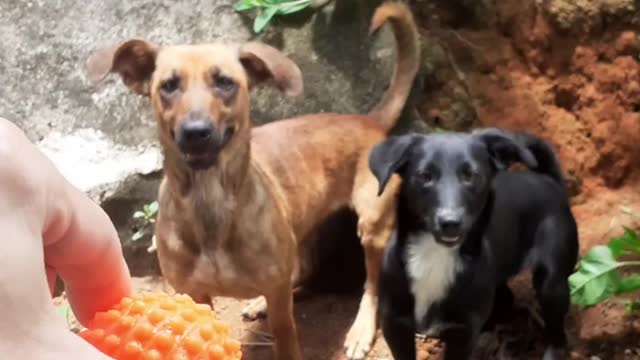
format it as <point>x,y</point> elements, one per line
<point>360,337</point>
<point>256,309</point>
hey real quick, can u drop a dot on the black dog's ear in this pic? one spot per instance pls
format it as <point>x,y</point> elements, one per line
<point>504,148</point>
<point>388,156</point>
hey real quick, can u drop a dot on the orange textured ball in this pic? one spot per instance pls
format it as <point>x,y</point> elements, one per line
<point>158,326</point>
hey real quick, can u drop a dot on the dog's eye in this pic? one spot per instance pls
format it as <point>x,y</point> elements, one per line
<point>170,86</point>
<point>224,84</point>
<point>466,175</point>
<point>426,177</point>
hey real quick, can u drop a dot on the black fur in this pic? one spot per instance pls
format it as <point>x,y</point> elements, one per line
<point>458,188</point>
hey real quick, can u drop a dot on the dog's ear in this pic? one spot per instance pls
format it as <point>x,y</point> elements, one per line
<point>263,62</point>
<point>134,60</point>
<point>505,149</point>
<point>387,157</point>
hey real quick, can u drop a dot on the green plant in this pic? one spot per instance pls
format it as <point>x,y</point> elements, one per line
<point>599,278</point>
<point>270,8</point>
<point>146,217</point>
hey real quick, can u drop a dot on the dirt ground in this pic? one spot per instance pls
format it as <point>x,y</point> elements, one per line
<point>516,68</point>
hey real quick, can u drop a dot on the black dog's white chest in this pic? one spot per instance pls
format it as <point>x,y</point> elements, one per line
<point>431,270</point>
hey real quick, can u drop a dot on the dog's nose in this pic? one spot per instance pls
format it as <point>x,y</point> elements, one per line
<point>450,226</point>
<point>196,132</point>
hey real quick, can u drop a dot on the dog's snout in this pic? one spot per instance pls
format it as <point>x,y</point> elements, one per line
<point>450,226</point>
<point>196,132</point>
<point>450,223</point>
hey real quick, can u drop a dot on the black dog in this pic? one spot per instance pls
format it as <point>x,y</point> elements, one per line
<point>465,226</point>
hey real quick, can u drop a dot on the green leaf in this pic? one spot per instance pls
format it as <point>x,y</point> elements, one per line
<point>243,5</point>
<point>263,18</point>
<point>286,9</point>
<point>138,215</point>
<point>153,208</point>
<point>629,241</point>
<point>597,278</point>
<point>629,284</point>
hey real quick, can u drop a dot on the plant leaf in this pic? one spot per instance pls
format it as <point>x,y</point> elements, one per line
<point>629,284</point>
<point>264,17</point>
<point>138,235</point>
<point>153,208</point>
<point>629,241</point>
<point>138,214</point>
<point>597,278</point>
<point>286,9</point>
<point>243,5</point>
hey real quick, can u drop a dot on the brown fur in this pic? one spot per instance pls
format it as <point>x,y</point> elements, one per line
<point>237,228</point>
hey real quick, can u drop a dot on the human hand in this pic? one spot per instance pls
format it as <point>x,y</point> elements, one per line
<point>46,227</point>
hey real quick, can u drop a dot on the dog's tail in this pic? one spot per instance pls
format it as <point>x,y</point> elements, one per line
<point>388,110</point>
<point>548,162</point>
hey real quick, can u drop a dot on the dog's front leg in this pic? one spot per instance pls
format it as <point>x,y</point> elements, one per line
<point>376,220</point>
<point>397,304</point>
<point>460,340</point>
<point>396,309</point>
<point>399,333</point>
<point>282,322</point>
<point>257,307</point>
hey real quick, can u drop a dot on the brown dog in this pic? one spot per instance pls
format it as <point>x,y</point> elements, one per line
<point>237,203</point>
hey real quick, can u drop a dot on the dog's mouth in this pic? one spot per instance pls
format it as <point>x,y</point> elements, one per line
<point>449,241</point>
<point>202,156</point>
<point>201,160</point>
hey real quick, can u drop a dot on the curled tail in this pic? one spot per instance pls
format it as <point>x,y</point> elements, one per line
<point>388,110</point>
<point>548,162</point>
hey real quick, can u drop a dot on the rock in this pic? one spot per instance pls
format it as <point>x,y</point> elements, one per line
<point>586,14</point>
<point>92,162</point>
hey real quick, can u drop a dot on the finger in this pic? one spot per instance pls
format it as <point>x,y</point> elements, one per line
<point>87,255</point>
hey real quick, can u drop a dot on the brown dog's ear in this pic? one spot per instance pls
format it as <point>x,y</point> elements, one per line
<point>263,62</point>
<point>134,60</point>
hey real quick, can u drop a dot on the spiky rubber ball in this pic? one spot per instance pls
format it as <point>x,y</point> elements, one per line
<point>158,326</point>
